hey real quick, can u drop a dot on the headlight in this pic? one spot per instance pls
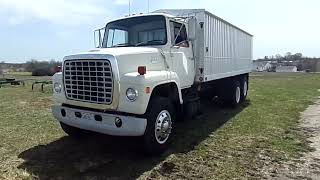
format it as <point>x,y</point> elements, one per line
<point>57,87</point>
<point>132,94</point>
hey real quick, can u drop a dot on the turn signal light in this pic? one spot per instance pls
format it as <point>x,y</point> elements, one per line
<point>148,90</point>
<point>57,69</point>
<point>142,70</point>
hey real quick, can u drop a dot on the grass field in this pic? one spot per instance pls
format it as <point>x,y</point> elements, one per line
<point>220,144</point>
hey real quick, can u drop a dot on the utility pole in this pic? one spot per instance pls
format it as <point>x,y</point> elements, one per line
<point>148,6</point>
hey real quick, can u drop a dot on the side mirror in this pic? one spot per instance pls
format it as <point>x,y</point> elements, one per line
<point>98,37</point>
<point>192,28</point>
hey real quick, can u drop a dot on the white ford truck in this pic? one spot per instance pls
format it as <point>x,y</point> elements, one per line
<point>149,70</point>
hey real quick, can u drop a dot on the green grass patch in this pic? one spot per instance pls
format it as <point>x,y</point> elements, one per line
<point>220,144</point>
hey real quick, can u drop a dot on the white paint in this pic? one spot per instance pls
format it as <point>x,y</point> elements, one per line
<point>131,126</point>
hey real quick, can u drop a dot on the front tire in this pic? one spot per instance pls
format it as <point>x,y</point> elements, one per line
<point>160,118</point>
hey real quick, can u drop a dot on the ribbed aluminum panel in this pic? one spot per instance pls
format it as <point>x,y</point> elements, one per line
<point>88,81</point>
<point>227,49</point>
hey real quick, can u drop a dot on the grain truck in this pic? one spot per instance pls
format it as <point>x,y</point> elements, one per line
<point>150,70</point>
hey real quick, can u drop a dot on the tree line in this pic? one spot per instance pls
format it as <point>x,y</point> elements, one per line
<point>303,63</point>
<point>42,68</point>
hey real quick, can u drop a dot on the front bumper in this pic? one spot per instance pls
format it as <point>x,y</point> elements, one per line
<point>131,126</point>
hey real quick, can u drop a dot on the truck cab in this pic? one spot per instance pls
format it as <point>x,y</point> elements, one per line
<point>137,82</point>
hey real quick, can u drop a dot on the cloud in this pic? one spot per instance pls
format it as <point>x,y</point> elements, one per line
<point>62,12</point>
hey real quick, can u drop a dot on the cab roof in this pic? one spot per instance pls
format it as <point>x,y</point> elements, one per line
<point>142,15</point>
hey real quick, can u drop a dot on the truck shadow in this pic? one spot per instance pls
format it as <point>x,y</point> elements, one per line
<point>105,157</point>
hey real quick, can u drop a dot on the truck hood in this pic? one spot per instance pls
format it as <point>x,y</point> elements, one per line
<point>119,51</point>
<point>128,59</point>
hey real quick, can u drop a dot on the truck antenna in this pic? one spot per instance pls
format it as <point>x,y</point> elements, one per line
<point>129,7</point>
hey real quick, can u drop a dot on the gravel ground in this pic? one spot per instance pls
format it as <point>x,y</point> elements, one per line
<point>308,166</point>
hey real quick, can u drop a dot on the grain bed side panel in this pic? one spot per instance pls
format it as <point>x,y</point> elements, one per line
<point>227,49</point>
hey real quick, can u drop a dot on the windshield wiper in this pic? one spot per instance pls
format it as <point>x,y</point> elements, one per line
<point>122,45</point>
<point>146,42</point>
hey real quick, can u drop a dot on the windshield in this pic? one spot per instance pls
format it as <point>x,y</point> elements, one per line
<point>136,31</point>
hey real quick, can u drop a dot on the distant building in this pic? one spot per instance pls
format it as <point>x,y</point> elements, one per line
<point>318,66</point>
<point>21,69</point>
<point>287,69</point>
<point>261,66</point>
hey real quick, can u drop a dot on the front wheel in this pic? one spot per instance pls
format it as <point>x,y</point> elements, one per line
<point>160,118</point>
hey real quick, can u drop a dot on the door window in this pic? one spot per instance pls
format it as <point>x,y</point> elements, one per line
<point>178,34</point>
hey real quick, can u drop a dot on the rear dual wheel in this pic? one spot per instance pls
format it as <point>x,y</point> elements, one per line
<point>231,95</point>
<point>244,87</point>
<point>235,91</point>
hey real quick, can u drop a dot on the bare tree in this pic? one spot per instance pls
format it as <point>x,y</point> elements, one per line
<point>288,56</point>
<point>297,56</point>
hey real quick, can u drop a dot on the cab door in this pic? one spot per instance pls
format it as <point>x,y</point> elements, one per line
<point>181,54</point>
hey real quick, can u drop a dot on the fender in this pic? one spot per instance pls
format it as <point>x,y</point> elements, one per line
<point>151,79</point>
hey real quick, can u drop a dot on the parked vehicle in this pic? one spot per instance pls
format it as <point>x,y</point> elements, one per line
<point>149,70</point>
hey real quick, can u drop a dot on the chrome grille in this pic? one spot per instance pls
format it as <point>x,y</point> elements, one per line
<point>88,81</point>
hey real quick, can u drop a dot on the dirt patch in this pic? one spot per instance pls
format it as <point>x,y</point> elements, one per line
<point>308,166</point>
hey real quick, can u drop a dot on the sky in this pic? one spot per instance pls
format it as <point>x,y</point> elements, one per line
<point>52,29</point>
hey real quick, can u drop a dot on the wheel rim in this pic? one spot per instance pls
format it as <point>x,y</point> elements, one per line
<point>245,88</point>
<point>238,93</point>
<point>163,127</point>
